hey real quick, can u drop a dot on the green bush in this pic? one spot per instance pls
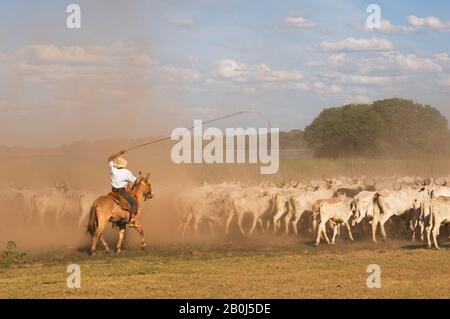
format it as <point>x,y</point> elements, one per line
<point>10,256</point>
<point>392,128</point>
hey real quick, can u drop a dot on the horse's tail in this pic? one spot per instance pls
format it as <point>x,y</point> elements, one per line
<point>93,223</point>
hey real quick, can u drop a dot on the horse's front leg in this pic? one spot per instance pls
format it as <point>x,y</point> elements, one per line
<point>121,237</point>
<point>105,244</point>
<point>140,231</point>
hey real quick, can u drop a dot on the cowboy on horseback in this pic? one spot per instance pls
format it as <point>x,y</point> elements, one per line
<point>120,177</point>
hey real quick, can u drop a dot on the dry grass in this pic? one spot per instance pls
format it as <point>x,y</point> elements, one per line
<point>283,270</point>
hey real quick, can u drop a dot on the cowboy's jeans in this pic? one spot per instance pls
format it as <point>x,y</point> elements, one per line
<point>128,197</point>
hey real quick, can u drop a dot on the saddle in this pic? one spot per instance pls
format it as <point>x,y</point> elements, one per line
<point>120,200</point>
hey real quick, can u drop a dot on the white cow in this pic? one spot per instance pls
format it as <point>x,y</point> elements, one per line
<point>201,204</point>
<point>338,211</point>
<point>439,215</point>
<point>393,203</point>
<point>303,202</point>
<point>258,204</point>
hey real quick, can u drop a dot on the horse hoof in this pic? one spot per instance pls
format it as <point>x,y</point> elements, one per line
<point>143,246</point>
<point>108,251</point>
<point>118,251</point>
<point>93,253</point>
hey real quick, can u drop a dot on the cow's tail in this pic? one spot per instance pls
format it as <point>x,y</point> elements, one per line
<point>93,222</point>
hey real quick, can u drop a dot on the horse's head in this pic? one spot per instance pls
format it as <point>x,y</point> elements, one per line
<point>146,187</point>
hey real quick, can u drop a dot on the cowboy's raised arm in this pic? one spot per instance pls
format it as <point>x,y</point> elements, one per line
<point>112,157</point>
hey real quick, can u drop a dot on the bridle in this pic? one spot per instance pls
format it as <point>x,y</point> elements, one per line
<point>148,194</point>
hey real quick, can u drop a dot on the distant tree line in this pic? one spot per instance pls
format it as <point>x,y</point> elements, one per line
<point>390,128</point>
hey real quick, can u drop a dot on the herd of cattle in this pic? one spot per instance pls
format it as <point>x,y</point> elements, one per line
<point>316,207</point>
<point>57,204</point>
<point>424,203</point>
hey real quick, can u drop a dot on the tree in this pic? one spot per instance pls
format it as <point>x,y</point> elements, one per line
<point>392,127</point>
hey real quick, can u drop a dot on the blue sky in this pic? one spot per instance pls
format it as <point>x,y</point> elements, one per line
<point>142,68</point>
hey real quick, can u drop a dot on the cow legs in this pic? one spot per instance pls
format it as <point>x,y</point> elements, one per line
<point>276,218</point>
<point>184,228</point>
<point>211,227</point>
<point>287,222</point>
<point>422,230</point>
<point>383,220</point>
<point>322,229</point>
<point>375,222</point>
<point>335,232</point>
<point>295,222</point>
<point>255,221</point>
<point>314,224</point>
<point>428,231</point>
<point>349,230</point>
<point>240,219</point>
<point>196,223</point>
<point>435,232</point>
<point>261,225</point>
<point>228,223</point>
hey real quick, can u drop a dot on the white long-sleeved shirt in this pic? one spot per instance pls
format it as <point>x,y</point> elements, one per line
<point>120,176</point>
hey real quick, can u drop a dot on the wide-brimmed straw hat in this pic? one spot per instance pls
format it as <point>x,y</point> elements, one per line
<point>120,162</point>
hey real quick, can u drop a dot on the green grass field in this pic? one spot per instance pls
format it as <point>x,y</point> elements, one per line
<point>238,270</point>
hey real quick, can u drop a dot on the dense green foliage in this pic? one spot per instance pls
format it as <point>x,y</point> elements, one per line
<point>392,127</point>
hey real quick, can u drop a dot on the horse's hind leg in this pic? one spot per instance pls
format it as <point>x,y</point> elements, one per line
<point>98,232</point>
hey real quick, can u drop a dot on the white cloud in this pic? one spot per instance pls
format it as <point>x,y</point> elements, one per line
<point>416,24</point>
<point>302,86</point>
<point>431,22</point>
<point>387,27</point>
<point>175,74</point>
<point>298,21</point>
<point>352,44</point>
<point>443,57</point>
<point>335,89</point>
<point>410,62</point>
<point>240,72</point>
<point>116,63</point>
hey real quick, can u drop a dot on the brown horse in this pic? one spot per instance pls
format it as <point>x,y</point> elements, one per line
<point>105,210</point>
